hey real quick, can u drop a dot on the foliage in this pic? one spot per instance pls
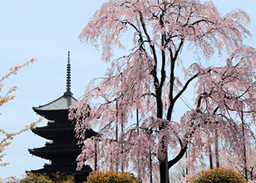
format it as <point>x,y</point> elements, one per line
<point>7,137</point>
<point>37,178</point>
<point>56,177</point>
<point>111,176</point>
<point>61,177</point>
<point>5,99</point>
<point>141,90</point>
<point>217,175</point>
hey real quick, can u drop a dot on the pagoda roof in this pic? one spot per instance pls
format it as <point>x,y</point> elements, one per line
<point>58,108</point>
<point>49,131</point>
<point>47,151</point>
<point>61,103</point>
<point>56,149</point>
<point>55,128</point>
<point>61,169</point>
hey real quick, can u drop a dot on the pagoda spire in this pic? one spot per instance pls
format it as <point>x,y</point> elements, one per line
<point>68,81</point>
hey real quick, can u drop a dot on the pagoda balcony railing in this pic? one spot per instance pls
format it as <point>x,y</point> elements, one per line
<point>63,163</point>
<point>60,143</point>
<point>67,142</point>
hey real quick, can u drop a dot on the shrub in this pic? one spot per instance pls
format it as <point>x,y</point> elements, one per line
<point>63,178</point>
<point>55,178</point>
<point>111,176</point>
<point>36,179</point>
<point>217,175</point>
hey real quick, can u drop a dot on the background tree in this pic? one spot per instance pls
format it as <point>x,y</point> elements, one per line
<point>228,93</point>
<point>6,137</point>
<point>148,80</point>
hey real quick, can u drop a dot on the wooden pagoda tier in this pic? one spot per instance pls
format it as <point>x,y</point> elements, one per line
<point>62,150</point>
<point>52,129</point>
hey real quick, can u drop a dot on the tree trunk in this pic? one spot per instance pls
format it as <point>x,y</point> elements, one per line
<point>186,162</point>
<point>95,155</point>
<point>163,172</point>
<point>138,133</point>
<point>210,157</point>
<point>150,167</point>
<point>117,132</point>
<point>252,178</point>
<point>217,148</point>
<point>164,168</point>
<point>245,163</point>
<point>122,143</point>
<point>117,143</point>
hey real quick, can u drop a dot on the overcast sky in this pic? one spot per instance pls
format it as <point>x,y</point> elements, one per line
<point>47,30</point>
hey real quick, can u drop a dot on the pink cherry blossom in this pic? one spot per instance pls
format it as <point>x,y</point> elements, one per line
<point>140,90</point>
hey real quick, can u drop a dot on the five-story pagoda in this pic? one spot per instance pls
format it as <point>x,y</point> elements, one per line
<point>63,150</point>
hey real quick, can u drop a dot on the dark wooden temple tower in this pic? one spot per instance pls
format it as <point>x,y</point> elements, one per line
<point>62,150</point>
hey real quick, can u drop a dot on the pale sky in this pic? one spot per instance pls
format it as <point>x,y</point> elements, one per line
<point>47,30</point>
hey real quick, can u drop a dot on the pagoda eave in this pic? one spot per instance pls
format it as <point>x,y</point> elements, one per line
<point>50,154</point>
<point>50,134</point>
<point>50,150</point>
<point>68,170</point>
<point>52,114</point>
<point>50,131</point>
<point>54,128</point>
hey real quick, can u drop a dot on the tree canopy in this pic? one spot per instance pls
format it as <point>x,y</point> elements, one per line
<point>140,90</point>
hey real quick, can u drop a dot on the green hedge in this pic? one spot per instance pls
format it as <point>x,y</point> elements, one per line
<point>36,179</point>
<point>111,176</point>
<point>218,175</point>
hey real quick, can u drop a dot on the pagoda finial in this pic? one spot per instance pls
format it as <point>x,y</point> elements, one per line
<point>68,82</point>
<point>68,57</point>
